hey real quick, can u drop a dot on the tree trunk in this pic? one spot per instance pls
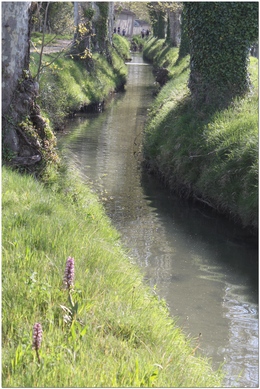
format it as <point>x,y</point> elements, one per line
<point>175,27</point>
<point>111,16</point>
<point>15,47</point>
<point>76,17</point>
<point>220,35</point>
<point>161,25</point>
<point>23,127</point>
<point>185,42</point>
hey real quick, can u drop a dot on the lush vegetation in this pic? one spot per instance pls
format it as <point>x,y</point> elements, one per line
<point>159,17</point>
<point>58,15</point>
<point>109,329</point>
<point>113,332</point>
<point>67,85</point>
<point>137,43</point>
<point>157,13</point>
<point>203,153</point>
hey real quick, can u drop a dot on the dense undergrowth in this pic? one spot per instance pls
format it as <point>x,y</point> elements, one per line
<point>121,335</point>
<point>68,85</point>
<point>208,155</point>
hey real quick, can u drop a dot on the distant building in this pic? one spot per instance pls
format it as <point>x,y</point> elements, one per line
<point>139,25</point>
<point>124,19</point>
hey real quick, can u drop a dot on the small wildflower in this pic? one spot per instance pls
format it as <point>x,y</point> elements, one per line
<point>37,338</point>
<point>69,273</point>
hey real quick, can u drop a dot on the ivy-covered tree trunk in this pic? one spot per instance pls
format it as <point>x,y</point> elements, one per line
<point>161,24</point>
<point>220,37</point>
<point>101,26</point>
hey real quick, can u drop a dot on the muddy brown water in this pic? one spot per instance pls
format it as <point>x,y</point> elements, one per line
<point>198,261</point>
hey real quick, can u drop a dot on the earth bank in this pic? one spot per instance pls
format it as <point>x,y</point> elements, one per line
<point>205,155</point>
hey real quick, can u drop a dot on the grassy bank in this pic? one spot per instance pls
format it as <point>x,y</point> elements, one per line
<point>207,155</point>
<point>68,85</point>
<point>122,334</point>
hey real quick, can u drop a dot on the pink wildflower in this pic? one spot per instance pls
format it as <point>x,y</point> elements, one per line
<point>69,273</point>
<point>37,336</point>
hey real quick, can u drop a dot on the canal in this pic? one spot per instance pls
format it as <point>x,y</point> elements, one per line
<point>197,260</point>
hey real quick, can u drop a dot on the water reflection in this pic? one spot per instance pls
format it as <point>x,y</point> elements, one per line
<point>237,353</point>
<point>208,277</point>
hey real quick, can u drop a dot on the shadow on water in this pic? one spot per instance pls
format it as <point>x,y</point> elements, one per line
<point>231,244</point>
<point>209,278</point>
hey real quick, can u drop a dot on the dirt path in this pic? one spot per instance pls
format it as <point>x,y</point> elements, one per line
<point>55,47</point>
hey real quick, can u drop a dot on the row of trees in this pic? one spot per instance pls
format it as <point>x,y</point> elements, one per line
<point>26,136</point>
<point>218,36</point>
<point>165,19</point>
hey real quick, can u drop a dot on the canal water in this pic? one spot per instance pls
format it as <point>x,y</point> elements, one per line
<point>197,260</point>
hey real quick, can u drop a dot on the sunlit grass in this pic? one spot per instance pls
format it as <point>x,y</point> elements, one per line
<point>122,334</point>
<point>49,39</point>
<point>212,155</point>
<point>67,85</point>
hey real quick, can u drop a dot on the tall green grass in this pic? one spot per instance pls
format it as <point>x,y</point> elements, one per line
<point>67,85</point>
<point>122,334</point>
<point>122,45</point>
<point>209,155</point>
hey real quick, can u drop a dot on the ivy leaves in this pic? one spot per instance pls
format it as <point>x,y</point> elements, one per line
<point>220,36</point>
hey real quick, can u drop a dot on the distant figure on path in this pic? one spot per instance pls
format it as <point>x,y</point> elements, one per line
<point>147,33</point>
<point>143,32</point>
<point>114,30</point>
<point>118,30</point>
<point>123,32</point>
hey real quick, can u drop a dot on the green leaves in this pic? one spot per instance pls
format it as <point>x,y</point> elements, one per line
<point>220,36</point>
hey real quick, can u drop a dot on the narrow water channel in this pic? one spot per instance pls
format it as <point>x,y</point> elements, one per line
<point>207,275</point>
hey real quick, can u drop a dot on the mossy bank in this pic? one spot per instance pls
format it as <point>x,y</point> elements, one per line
<point>122,334</point>
<point>207,155</point>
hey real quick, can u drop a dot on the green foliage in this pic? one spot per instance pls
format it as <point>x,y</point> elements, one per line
<point>122,335</point>
<point>202,153</point>
<point>47,142</point>
<point>221,34</point>
<point>82,45</point>
<point>60,19</point>
<point>157,15</point>
<point>88,13</point>
<point>164,55</point>
<point>86,40</point>
<point>67,85</point>
<point>137,43</point>
<point>121,45</point>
